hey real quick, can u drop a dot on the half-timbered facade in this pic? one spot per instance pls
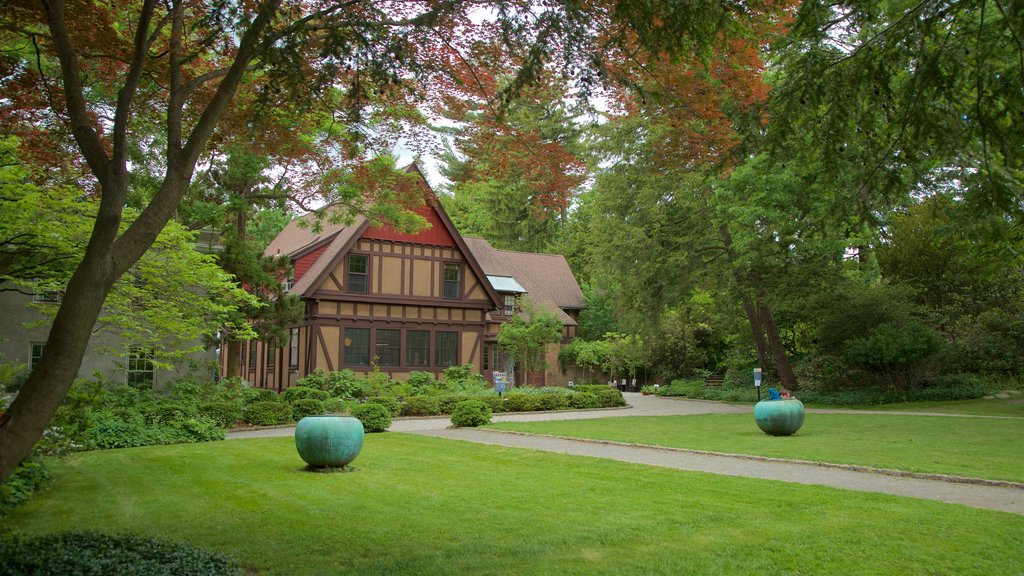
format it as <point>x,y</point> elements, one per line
<point>376,296</point>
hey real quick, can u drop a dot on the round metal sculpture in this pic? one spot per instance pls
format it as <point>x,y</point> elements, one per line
<point>329,441</point>
<point>779,417</point>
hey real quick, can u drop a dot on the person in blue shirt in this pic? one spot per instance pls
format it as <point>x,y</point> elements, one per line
<point>776,395</point>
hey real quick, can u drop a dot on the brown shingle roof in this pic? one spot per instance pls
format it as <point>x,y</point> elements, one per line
<point>298,235</point>
<point>548,281</point>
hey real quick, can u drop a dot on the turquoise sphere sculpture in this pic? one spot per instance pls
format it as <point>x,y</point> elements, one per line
<point>329,441</point>
<point>779,417</point>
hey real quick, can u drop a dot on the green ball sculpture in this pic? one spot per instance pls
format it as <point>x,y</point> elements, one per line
<point>779,417</point>
<point>329,441</point>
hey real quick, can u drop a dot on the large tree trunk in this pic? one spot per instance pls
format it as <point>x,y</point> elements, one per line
<point>782,366</point>
<point>760,344</point>
<point>108,255</point>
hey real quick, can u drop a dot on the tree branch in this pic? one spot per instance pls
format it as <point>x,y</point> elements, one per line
<point>81,126</point>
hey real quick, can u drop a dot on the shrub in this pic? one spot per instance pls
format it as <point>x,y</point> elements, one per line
<point>554,401</point>
<point>199,430</point>
<point>375,417</point>
<point>344,384</point>
<point>522,402</point>
<point>26,479</point>
<point>420,406</point>
<point>422,382</point>
<point>108,433</point>
<point>225,414</point>
<point>186,391</point>
<point>582,400</point>
<point>609,398</point>
<point>307,407</point>
<point>894,347</point>
<point>93,554</point>
<point>267,413</point>
<point>295,393</point>
<point>448,402</point>
<point>495,402</point>
<point>470,414</point>
<point>250,395</point>
<point>169,412</point>
<point>335,406</point>
<point>389,402</point>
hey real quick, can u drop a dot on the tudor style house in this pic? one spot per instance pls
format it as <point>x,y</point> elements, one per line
<point>375,296</point>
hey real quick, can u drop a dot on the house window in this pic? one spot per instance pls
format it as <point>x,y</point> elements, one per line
<point>35,353</point>
<point>510,304</point>
<point>289,281</point>
<point>452,280</point>
<point>357,346</point>
<point>389,347</point>
<point>446,346</point>
<point>271,356</point>
<point>485,358</point>
<point>358,266</point>
<point>417,348</point>
<point>293,349</point>
<point>252,355</point>
<point>139,366</point>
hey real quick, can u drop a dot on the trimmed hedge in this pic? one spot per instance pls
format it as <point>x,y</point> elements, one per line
<point>296,393</point>
<point>335,406</point>
<point>421,406</point>
<point>251,395</point>
<point>389,402</point>
<point>225,414</point>
<point>522,402</point>
<point>307,407</point>
<point>85,553</point>
<point>470,414</point>
<point>375,417</point>
<point>267,413</point>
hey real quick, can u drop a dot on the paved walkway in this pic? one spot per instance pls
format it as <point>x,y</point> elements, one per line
<point>1007,498</point>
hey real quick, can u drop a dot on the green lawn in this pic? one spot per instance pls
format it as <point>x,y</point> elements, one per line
<point>979,406</point>
<point>977,447</point>
<point>421,505</point>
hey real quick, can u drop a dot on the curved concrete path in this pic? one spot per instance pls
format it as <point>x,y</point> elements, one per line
<point>1007,498</point>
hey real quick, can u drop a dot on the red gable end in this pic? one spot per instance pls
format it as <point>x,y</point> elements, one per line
<point>436,235</point>
<point>303,264</point>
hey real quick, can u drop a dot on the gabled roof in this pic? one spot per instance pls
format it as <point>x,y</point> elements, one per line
<point>547,279</point>
<point>298,236</point>
<point>296,240</point>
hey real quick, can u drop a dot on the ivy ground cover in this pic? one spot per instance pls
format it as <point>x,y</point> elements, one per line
<point>418,505</point>
<point>974,447</point>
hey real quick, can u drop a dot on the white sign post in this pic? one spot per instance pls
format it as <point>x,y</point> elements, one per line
<point>757,382</point>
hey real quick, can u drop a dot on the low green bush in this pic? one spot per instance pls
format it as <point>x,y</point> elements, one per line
<point>554,401</point>
<point>335,406</point>
<point>107,433</point>
<point>225,414</point>
<point>307,407</point>
<point>85,553</point>
<point>583,401</point>
<point>389,402</point>
<point>375,417</point>
<point>447,403</point>
<point>420,406</point>
<point>26,479</point>
<point>422,382</point>
<point>518,401</point>
<point>250,395</point>
<point>495,402</point>
<point>295,393</point>
<point>199,430</point>
<point>470,414</point>
<point>344,384</point>
<point>267,413</point>
<point>609,397</point>
<point>166,413</point>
